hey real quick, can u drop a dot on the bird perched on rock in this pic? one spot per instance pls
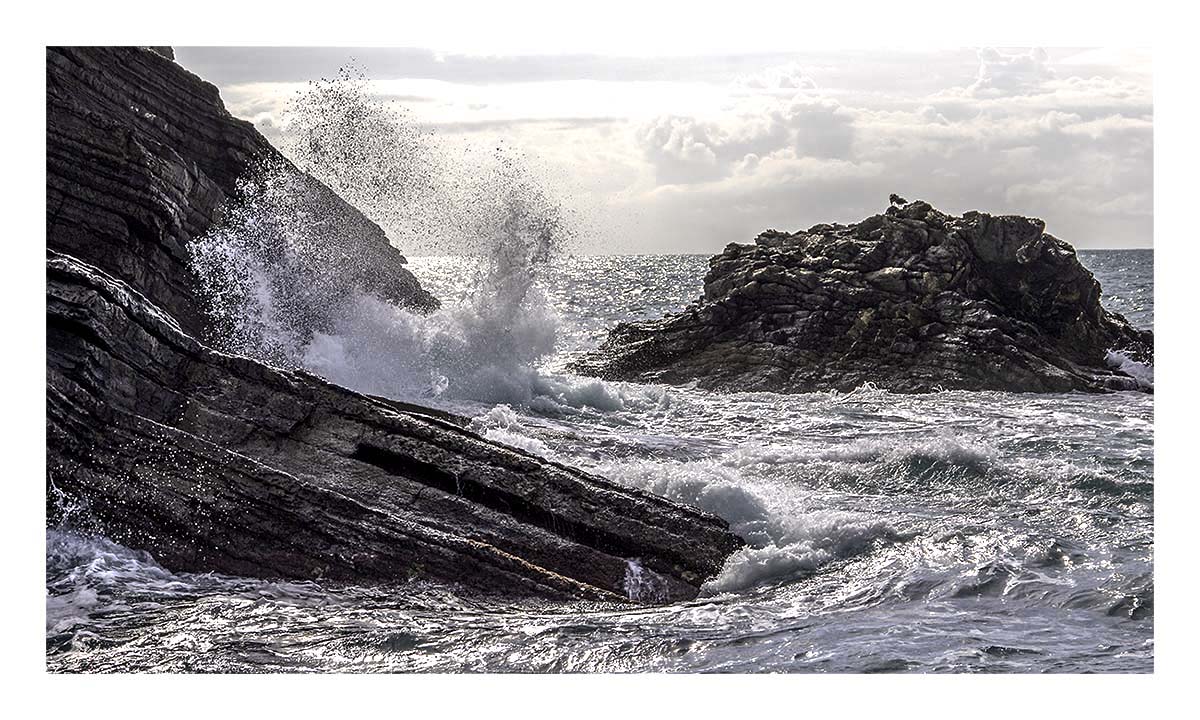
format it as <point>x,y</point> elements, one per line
<point>897,200</point>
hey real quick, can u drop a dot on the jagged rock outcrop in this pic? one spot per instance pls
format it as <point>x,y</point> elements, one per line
<point>912,300</point>
<point>215,462</point>
<point>141,155</point>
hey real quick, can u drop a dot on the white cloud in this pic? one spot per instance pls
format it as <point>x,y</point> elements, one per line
<point>790,76</point>
<point>1001,74</point>
<point>684,150</point>
<point>1112,125</point>
<point>680,148</point>
<point>930,114</point>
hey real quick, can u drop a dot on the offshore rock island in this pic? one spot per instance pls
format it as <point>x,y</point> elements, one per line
<point>911,300</point>
<point>220,463</point>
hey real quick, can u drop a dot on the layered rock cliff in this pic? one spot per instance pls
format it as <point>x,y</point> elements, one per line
<point>141,157</point>
<point>214,462</point>
<point>911,300</point>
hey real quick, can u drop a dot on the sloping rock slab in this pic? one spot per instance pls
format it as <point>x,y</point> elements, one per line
<point>912,300</point>
<point>219,463</point>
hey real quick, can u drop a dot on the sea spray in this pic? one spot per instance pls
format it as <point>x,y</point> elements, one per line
<point>275,276</point>
<point>269,272</point>
<point>371,153</point>
<point>1142,373</point>
<point>433,192</point>
<point>642,584</point>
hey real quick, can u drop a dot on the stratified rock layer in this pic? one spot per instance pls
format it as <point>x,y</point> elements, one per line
<point>141,155</point>
<point>912,300</point>
<point>219,463</point>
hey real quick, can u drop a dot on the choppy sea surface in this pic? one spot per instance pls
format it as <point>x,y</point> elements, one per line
<point>948,532</point>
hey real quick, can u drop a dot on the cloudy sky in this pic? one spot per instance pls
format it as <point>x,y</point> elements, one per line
<point>687,154</point>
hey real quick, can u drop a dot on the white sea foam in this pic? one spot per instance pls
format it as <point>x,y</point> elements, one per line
<point>503,425</point>
<point>939,450</point>
<point>784,537</point>
<point>91,580</point>
<point>801,545</point>
<point>1142,373</point>
<point>87,567</point>
<point>478,350</point>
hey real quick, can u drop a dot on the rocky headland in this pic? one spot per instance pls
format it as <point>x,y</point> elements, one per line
<point>912,300</point>
<point>142,157</point>
<point>215,462</point>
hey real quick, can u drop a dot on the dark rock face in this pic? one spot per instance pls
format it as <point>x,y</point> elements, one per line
<point>141,155</point>
<point>219,463</point>
<point>912,300</point>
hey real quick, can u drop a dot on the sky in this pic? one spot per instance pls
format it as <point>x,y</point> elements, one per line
<point>689,153</point>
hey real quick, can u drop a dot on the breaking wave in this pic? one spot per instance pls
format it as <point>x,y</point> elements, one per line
<point>1142,373</point>
<point>86,569</point>
<point>803,545</point>
<point>94,585</point>
<point>939,450</point>
<point>785,538</point>
<point>503,425</point>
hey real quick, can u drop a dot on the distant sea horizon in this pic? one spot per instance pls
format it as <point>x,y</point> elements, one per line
<point>413,254</point>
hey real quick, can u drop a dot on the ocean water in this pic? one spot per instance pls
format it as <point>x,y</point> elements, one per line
<point>948,532</point>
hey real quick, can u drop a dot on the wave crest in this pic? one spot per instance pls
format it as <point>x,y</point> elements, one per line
<point>1142,373</point>
<point>785,539</point>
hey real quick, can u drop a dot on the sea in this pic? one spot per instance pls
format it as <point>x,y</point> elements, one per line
<point>951,532</point>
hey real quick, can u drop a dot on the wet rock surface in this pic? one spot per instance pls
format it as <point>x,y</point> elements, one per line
<point>912,300</point>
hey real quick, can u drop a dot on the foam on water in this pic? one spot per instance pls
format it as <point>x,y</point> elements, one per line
<point>1141,372</point>
<point>939,451</point>
<point>503,425</point>
<point>801,545</point>
<point>79,568</point>
<point>786,537</point>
